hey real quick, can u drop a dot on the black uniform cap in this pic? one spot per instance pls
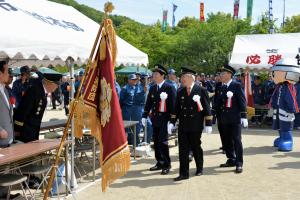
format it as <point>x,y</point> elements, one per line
<point>160,69</point>
<point>227,68</point>
<point>54,78</point>
<point>24,69</point>
<point>185,70</point>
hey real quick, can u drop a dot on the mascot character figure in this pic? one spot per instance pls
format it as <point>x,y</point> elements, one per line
<point>285,74</point>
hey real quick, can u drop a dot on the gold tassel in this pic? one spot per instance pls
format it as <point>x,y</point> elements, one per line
<point>115,167</point>
<point>85,117</point>
<point>112,39</point>
<point>102,48</point>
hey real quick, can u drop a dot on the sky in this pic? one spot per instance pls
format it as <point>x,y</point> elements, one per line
<point>149,11</point>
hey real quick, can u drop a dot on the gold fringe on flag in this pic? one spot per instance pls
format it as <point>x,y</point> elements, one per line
<point>87,117</point>
<point>115,167</point>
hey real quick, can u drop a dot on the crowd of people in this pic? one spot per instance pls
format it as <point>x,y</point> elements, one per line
<point>159,102</point>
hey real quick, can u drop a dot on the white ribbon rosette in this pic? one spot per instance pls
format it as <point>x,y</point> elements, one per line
<point>162,104</point>
<point>196,98</point>
<point>229,99</point>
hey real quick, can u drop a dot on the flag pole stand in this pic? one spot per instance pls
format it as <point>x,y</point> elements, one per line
<point>70,118</point>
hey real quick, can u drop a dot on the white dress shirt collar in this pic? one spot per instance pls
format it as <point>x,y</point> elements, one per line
<point>191,87</point>
<point>2,90</point>
<point>228,83</point>
<point>159,85</point>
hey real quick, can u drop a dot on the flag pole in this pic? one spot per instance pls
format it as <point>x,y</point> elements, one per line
<point>73,106</point>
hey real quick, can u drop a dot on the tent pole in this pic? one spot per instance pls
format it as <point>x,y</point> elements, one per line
<point>73,106</point>
<point>145,129</point>
<point>70,64</point>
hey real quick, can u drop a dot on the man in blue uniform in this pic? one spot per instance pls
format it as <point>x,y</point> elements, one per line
<point>161,103</point>
<point>209,84</point>
<point>118,88</point>
<point>231,107</point>
<point>138,105</point>
<point>269,88</point>
<point>28,116</point>
<point>21,85</point>
<point>192,108</point>
<point>172,78</point>
<point>78,82</point>
<point>65,90</point>
<point>127,100</point>
<point>258,91</point>
<point>149,135</point>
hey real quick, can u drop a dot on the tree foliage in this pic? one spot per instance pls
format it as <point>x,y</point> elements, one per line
<point>203,46</point>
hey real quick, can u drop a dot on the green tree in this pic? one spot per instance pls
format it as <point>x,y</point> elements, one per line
<point>292,25</point>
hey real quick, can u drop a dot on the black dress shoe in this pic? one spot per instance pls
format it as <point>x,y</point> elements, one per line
<point>165,171</point>
<point>14,196</point>
<point>229,163</point>
<point>180,178</point>
<point>239,170</point>
<point>199,173</point>
<point>155,168</point>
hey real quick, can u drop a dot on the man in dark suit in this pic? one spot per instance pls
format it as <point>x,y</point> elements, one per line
<point>6,120</point>
<point>161,103</point>
<point>28,116</point>
<point>232,114</point>
<point>192,109</point>
<point>6,110</point>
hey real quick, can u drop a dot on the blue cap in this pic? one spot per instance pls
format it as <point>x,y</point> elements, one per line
<point>81,73</point>
<point>132,77</point>
<point>171,71</point>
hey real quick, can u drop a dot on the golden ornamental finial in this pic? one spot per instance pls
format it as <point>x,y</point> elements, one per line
<point>108,7</point>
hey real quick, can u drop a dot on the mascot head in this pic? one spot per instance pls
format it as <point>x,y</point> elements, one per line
<point>286,70</point>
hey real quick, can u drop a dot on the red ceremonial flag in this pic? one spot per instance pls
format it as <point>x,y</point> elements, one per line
<point>236,9</point>
<point>202,18</point>
<point>99,110</point>
<point>248,90</point>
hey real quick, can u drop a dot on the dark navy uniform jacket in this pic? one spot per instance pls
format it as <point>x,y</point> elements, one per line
<point>152,104</point>
<point>269,88</point>
<point>186,109</point>
<point>258,94</point>
<point>237,110</point>
<point>216,98</point>
<point>28,116</point>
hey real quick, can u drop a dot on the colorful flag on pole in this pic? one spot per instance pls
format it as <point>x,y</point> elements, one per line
<point>165,20</point>
<point>99,110</point>
<point>236,9</point>
<point>248,90</point>
<point>249,8</point>
<point>173,21</point>
<point>202,18</point>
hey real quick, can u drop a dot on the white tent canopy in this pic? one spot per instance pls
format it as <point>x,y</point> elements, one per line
<point>44,30</point>
<point>262,51</point>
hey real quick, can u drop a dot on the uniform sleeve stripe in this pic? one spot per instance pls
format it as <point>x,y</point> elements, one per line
<point>208,117</point>
<point>19,123</point>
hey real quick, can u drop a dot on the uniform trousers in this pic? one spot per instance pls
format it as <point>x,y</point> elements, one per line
<point>189,140</point>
